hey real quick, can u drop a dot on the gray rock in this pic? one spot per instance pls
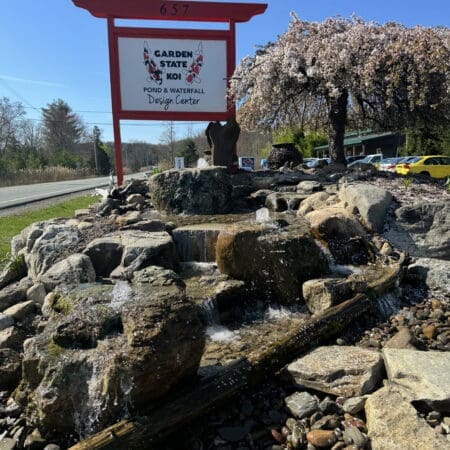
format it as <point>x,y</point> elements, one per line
<point>37,293</point>
<point>131,250</point>
<point>423,230</point>
<point>11,337</point>
<point>308,187</point>
<point>372,202</point>
<point>105,254</point>
<point>21,310</point>
<point>81,213</point>
<point>14,293</point>
<point>404,338</point>
<point>135,199</point>
<point>393,423</point>
<point>129,218</point>
<point>322,293</point>
<point>352,436</point>
<point>71,271</point>
<point>314,201</point>
<point>10,368</point>
<point>5,321</point>
<point>147,225</point>
<point>17,244</point>
<point>339,370</point>
<point>301,404</point>
<point>7,444</point>
<point>52,447</point>
<point>46,249</point>
<point>435,273</point>
<point>423,374</point>
<point>192,191</point>
<point>354,405</point>
<point>282,201</point>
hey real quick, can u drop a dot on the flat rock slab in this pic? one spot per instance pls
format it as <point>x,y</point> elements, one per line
<point>393,424</point>
<point>339,370</point>
<point>424,375</point>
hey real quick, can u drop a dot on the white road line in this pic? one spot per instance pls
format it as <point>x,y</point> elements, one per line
<point>43,194</point>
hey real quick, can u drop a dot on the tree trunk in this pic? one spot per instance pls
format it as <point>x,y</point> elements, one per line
<point>337,116</point>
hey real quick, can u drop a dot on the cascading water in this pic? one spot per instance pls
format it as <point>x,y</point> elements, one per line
<point>202,163</point>
<point>214,330</point>
<point>262,215</point>
<point>337,269</point>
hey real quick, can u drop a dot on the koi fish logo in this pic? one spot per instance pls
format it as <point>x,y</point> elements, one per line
<point>192,74</point>
<point>154,72</point>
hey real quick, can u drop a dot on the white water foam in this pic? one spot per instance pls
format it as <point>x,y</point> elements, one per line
<point>202,163</point>
<point>120,294</point>
<point>219,333</point>
<point>262,215</point>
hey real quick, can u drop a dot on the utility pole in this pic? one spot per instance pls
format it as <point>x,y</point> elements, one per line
<point>95,135</point>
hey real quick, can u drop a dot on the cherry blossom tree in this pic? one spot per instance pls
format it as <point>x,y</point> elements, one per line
<point>346,72</point>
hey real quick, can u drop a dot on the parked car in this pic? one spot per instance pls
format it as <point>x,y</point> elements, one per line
<point>388,164</point>
<point>368,159</point>
<point>435,166</point>
<point>352,158</point>
<point>317,162</point>
<point>403,165</point>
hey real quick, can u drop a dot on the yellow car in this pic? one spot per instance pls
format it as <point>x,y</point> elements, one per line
<point>435,166</point>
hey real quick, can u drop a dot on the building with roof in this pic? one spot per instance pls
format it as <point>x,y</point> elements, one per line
<point>367,143</point>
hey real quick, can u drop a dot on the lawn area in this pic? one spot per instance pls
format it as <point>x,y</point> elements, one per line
<point>14,224</point>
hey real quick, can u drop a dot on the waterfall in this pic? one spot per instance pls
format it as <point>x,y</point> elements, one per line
<point>214,330</point>
<point>262,215</point>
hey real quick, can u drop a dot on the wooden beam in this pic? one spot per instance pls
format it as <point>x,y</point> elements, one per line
<point>172,10</point>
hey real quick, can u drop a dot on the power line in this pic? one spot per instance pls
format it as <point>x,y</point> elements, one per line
<point>122,124</point>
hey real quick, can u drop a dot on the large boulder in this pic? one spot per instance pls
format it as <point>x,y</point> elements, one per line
<point>71,271</point>
<point>393,423</point>
<point>322,293</point>
<point>131,250</point>
<point>47,243</point>
<point>423,375</point>
<point>107,347</point>
<point>372,203</point>
<point>339,370</point>
<point>192,191</point>
<point>274,261</point>
<point>14,293</point>
<point>422,229</point>
<point>342,233</point>
<point>434,273</point>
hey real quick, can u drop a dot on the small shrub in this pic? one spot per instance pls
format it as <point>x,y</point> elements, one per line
<point>407,183</point>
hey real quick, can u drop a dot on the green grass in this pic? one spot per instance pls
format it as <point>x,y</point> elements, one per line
<point>14,224</point>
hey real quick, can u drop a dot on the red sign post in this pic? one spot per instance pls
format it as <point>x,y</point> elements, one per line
<point>170,74</point>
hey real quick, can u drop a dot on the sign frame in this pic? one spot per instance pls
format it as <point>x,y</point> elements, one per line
<point>110,10</point>
<point>181,34</point>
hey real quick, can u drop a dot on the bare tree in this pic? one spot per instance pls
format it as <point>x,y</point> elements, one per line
<point>168,137</point>
<point>11,118</point>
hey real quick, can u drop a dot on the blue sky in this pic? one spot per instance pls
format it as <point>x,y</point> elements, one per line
<point>51,49</point>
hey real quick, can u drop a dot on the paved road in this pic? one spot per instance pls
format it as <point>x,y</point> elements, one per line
<point>21,195</point>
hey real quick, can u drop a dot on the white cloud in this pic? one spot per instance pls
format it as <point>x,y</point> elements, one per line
<point>27,81</point>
